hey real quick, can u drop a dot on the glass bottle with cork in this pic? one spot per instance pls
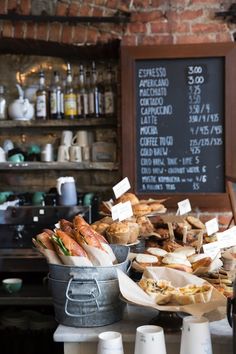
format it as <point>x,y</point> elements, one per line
<point>41,98</point>
<point>55,97</point>
<point>69,96</point>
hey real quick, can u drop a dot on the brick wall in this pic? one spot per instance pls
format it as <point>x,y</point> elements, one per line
<point>152,22</point>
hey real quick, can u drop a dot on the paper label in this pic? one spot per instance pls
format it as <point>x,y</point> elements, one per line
<point>212,226</point>
<point>121,187</point>
<point>211,249</point>
<point>227,238</point>
<point>184,207</point>
<point>125,211</point>
<point>115,211</point>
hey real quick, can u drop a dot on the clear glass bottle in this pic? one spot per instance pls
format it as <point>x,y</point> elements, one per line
<point>82,95</point>
<point>94,89</point>
<point>41,98</point>
<point>100,93</point>
<point>55,97</point>
<point>109,94</point>
<point>69,96</point>
<point>3,104</point>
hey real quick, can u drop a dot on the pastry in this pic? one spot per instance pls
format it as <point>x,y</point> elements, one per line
<point>128,197</point>
<point>160,290</point>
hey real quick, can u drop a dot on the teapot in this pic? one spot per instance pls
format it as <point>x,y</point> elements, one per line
<point>21,108</point>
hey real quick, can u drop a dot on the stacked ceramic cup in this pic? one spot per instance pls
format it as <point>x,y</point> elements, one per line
<point>65,144</point>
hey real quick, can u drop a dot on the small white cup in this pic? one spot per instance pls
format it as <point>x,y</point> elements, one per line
<point>63,153</point>
<point>110,342</point>
<point>81,138</point>
<point>195,337</point>
<point>149,339</point>
<point>75,153</point>
<point>66,137</point>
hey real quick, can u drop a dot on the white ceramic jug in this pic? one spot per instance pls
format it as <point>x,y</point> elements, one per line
<point>21,108</point>
<point>67,191</point>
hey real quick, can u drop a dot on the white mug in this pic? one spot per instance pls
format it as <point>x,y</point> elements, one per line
<point>149,339</point>
<point>8,145</point>
<point>75,153</point>
<point>81,138</point>
<point>195,337</point>
<point>63,153</point>
<point>66,137</point>
<point>47,154</point>
<point>110,342</point>
<point>2,155</point>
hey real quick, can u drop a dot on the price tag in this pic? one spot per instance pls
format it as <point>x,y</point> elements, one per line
<point>211,249</point>
<point>35,219</point>
<point>212,226</point>
<point>121,187</point>
<point>125,211</point>
<point>41,211</point>
<point>184,207</point>
<point>115,211</point>
<point>227,238</point>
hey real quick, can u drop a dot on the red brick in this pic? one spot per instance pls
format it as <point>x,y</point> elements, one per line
<point>208,27</point>
<point>224,37</point>
<point>3,6</point>
<point>129,40</point>
<point>30,31</point>
<point>203,3</point>
<point>67,34</point>
<point>141,3</point>
<point>42,31</point>
<point>84,10</point>
<point>73,9</point>
<point>92,35</point>
<point>156,3</point>
<point>8,29</point>
<point>191,14</point>
<point>160,27</point>
<point>12,5</point>
<point>112,4</point>
<point>206,38</point>
<point>25,7</point>
<point>146,16</point>
<point>105,37</point>
<point>80,34</point>
<point>183,27</point>
<point>148,40</point>
<point>62,9</point>
<point>55,30</point>
<point>100,2</point>
<point>137,28</point>
<point>19,29</point>
<point>97,12</point>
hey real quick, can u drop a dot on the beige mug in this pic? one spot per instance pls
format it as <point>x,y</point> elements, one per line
<point>75,153</point>
<point>80,138</point>
<point>63,153</point>
<point>66,137</point>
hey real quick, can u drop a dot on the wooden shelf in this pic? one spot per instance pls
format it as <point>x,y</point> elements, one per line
<point>27,166</point>
<point>83,122</point>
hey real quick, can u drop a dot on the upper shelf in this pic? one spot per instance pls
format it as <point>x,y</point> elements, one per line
<point>82,122</point>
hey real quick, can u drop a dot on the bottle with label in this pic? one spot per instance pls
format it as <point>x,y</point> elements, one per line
<point>55,97</point>
<point>90,93</point>
<point>95,91</point>
<point>41,98</point>
<point>3,104</point>
<point>100,93</point>
<point>69,96</point>
<point>109,94</point>
<point>82,95</point>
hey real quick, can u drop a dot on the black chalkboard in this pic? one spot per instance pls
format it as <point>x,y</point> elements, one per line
<point>180,125</point>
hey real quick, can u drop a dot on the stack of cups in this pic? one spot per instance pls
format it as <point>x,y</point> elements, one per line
<point>83,140</point>
<point>195,338</point>
<point>150,340</point>
<point>63,154</point>
<point>110,342</point>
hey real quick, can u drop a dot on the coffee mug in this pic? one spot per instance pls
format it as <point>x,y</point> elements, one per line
<point>66,137</point>
<point>110,342</point>
<point>16,158</point>
<point>2,155</point>
<point>38,198</point>
<point>80,138</point>
<point>75,153</point>
<point>63,153</point>
<point>34,149</point>
<point>12,285</point>
<point>47,153</point>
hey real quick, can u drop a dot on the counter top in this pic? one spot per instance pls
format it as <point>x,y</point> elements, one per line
<point>136,316</point>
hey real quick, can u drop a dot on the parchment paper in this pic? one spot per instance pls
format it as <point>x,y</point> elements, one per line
<point>133,293</point>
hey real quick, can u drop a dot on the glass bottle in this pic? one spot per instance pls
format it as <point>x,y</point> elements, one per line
<point>101,93</point>
<point>41,98</point>
<point>69,96</point>
<point>94,89</point>
<point>90,92</point>
<point>55,97</point>
<point>109,94</point>
<point>82,97</point>
<point>3,104</point>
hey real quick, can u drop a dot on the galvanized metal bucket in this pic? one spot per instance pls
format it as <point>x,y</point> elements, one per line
<point>88,296</point>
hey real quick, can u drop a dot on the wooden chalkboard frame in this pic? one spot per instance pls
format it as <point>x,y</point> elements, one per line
<point>129,55</point>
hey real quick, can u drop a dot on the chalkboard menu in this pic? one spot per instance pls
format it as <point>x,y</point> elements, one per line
<point>180,125</point>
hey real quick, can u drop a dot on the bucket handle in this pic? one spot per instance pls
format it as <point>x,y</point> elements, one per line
<point>92,299</point>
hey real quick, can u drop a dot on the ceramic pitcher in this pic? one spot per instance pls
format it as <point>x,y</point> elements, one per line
<point>67,191</point>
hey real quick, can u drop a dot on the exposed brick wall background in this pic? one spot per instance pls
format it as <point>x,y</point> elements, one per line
<point>151,22</point>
